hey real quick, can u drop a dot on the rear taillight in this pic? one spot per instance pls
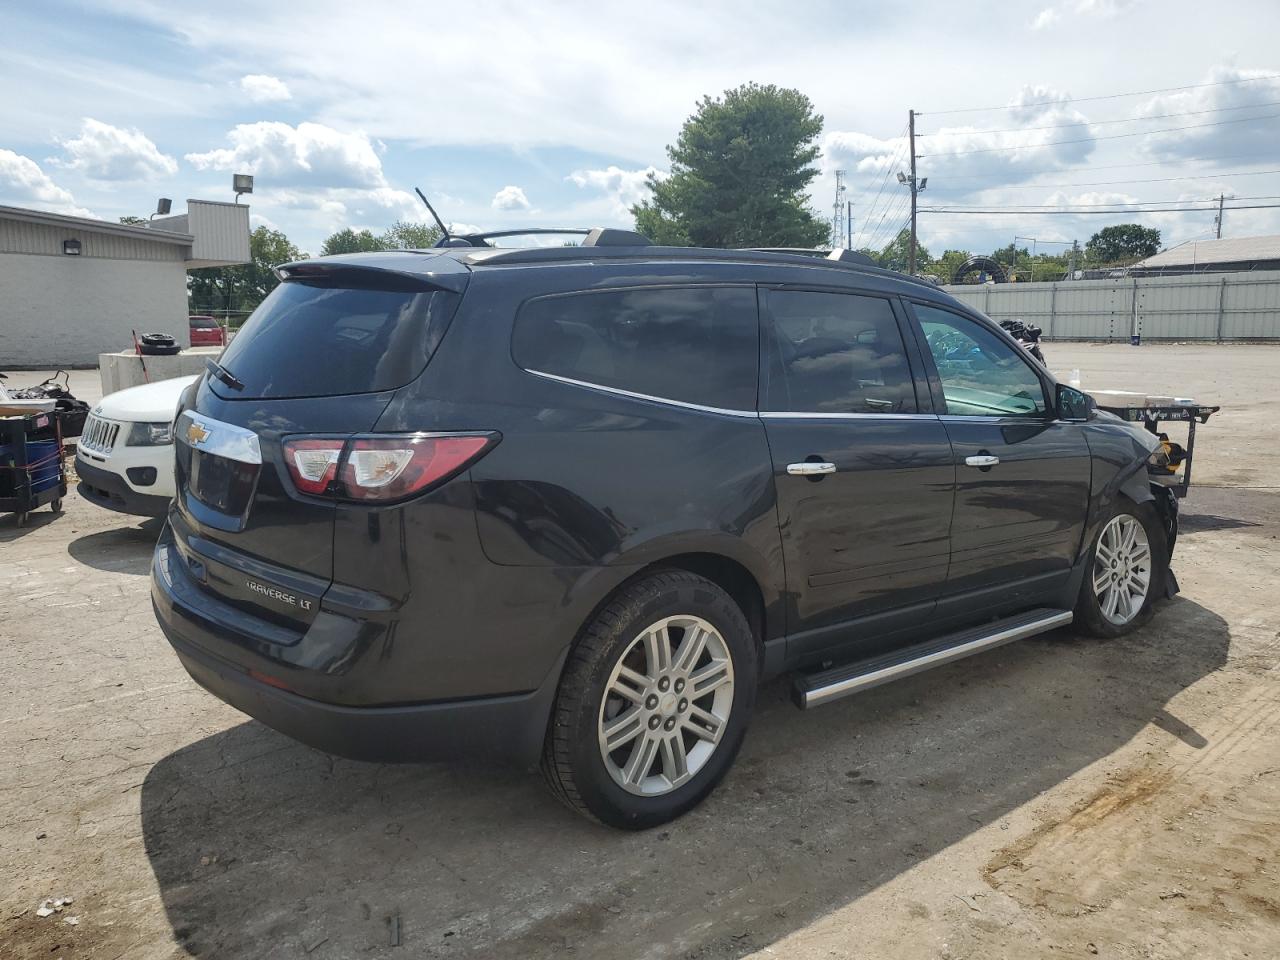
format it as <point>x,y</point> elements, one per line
<point>381,469</point>
<point>313,464</point>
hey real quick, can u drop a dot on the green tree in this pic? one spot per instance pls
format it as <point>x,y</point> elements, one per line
<point>408,235</point>
<point>348,241</point>
<point>739,170</point>
<point>896,254</point>
<point>238,290</point>
<point>1122,243</point>
<point>945,266</point>
<point>134,221</point>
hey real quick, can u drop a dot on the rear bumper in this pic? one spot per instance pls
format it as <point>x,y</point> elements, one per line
<point>507,728</point>
<point>111,492</point>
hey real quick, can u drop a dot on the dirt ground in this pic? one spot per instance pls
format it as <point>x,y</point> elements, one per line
<point>1061,797</point>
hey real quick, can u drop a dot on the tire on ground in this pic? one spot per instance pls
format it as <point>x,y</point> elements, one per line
<point>572,762</point>
<point>1088,612</point>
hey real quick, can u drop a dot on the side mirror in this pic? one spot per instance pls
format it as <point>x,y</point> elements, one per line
<point>1075,404</point>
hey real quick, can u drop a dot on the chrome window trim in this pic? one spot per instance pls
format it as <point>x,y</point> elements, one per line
<point>222,440</point>
<point>801,415</point>
<point>632,395</point>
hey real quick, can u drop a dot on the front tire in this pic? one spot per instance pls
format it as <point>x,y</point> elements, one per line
<point>1125,574</point>
<point>653,704</point>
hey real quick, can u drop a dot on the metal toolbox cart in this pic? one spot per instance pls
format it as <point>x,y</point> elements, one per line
<point>32,467</point>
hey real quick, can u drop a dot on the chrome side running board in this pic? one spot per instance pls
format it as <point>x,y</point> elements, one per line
<point>815,689</point>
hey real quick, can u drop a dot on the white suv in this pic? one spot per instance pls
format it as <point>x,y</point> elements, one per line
<point>125,453</point>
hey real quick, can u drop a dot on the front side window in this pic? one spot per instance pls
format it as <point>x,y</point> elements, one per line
<point>981,374</point>
<point>836,353</point>
<point>692,344</point>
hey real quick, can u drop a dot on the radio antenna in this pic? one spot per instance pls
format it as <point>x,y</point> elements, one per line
<point>421,196</point>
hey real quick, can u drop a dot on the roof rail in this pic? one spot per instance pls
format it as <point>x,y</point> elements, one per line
<point>595,237</point>
<point>839,255</point>
<point>806,258</point>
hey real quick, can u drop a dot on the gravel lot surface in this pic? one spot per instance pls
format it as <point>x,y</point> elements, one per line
<point>1061,797</point>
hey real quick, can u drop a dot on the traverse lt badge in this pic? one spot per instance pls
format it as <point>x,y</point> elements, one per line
<point>271,593</point>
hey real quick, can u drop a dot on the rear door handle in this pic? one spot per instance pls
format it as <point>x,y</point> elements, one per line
<point>808,469</point>
<point>982,460</point>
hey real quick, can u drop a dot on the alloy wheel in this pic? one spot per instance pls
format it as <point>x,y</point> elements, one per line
<point>1122,569</point>
<point>666,705</point>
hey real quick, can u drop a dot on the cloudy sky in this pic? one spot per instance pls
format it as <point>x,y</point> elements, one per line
<point>511,114</point>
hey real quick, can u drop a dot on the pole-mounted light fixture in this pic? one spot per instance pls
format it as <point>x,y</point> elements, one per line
<point>163,206</point>
<point>241,183</point>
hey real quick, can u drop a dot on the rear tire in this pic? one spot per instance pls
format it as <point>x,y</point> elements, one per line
<point>1126,572</point>
<point>653,704</point>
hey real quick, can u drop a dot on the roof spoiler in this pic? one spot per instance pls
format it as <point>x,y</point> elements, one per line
<point>595,237</point>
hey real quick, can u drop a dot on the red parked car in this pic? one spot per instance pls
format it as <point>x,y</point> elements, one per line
<point>205,332</point>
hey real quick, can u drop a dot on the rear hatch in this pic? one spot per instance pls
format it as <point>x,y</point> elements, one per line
<point>320,358</point>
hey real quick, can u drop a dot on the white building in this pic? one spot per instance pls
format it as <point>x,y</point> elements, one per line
<point>72,288</point>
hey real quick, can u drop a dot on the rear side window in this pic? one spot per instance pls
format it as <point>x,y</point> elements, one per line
<point>309,340</point>
<point>692,344</point>
<point>836,353</point>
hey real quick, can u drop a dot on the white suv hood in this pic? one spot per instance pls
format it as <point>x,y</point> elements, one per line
<point>152,402</point>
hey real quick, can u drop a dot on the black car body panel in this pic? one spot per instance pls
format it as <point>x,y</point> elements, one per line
<point>439,625</point>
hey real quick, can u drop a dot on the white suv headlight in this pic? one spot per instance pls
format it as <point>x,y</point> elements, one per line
<point>150,435</point>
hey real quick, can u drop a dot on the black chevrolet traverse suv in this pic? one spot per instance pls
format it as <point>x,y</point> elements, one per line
<point>575,504</point>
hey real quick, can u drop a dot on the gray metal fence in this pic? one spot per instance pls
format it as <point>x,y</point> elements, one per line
<point>1215,306</point>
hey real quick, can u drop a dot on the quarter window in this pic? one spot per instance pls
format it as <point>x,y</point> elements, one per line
<point>692,344</point>
<point>981,374</point>
<point>836,353</point>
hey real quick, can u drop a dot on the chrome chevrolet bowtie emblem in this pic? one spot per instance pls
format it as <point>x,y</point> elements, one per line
<point>196,434</point>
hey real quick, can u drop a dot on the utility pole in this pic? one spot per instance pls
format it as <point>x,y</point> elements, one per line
<point>1218,219</point>
<point>848,225</point>
<point>1071,267</point>
<point>911,132</point>
<point>915,185</point>
<point>837,212</point>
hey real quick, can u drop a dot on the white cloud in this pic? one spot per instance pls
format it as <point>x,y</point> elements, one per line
<point>1044,18</point>
<point>24,184</point>
<point>1228,132</point>
<point>261,88</point>
<point>104,152</point>
<point>624,187</point>
<point>1098,9</point>
<point>308,154</point>
<point>510,198</point>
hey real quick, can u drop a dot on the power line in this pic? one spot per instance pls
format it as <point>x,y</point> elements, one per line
<point>1108,96</point>
<point>1024,212</point>
<point>1112,166</point>
<point>1112,136</point>
<point>1099,123</point>
<point>1112,183</point>
<point>1112,203</point>
<point>893,161</point>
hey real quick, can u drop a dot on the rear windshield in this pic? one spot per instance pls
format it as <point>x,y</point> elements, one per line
<point>308,340</point>
<point>202,323</point>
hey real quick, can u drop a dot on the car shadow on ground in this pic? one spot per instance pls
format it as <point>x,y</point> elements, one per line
<point>125,549</point>
<point>263,847</point>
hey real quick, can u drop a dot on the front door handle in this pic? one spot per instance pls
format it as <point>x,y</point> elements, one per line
<point>808,469</point>
<point>984,460</point>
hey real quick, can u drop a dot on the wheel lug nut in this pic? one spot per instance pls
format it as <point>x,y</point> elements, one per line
<point>663,684</point>
<point>670,724</point>
<point>652,701</point>
<point>683,706</point>
<point>679,686</point>
<point>654,722</point>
